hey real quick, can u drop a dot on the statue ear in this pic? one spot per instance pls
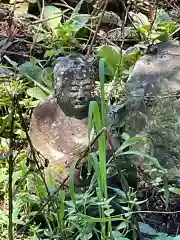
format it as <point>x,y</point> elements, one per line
<point>57,85</point>
<point>58,82</point>
<point>95,67</point>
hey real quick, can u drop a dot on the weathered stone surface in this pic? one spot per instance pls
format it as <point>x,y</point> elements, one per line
<point>57,137</point>
<point>59,124</point>
<point>154,72</point>
<point>152,102</point>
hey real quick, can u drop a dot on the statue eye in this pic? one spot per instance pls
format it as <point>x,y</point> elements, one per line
<point>87,87</point>
<point>73,90</point>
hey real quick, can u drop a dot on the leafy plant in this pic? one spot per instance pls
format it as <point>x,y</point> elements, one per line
<point>154,32</point>
<point>62,35</point>
<point>115,61</point>
<point>149,231</point>
<point>100,210</point>
<point>40,78</point>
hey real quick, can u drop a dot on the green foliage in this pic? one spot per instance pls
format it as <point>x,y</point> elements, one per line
<point>163,236</point>
<point>115,61</point>
<point>158,31</point>
<point>42,77</point>
<point>52,16</point>
<point>36,92</point>
<point>148,230</point>
<point>62,34</point>
<point>117,66</point>
<point>41,80</point>
<point>72,213</point>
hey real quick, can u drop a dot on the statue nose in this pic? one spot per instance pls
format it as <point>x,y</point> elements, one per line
<point>81,95</point>
<point>81,98</point>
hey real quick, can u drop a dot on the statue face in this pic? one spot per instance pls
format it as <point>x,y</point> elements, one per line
<point>79,93</point>
<point>74,80</point>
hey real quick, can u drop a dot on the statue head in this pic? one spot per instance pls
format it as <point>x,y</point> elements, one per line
<point>74,80</point>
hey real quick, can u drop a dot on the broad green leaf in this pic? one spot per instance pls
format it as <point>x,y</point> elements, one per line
<point>36,74</point>
<point>130,142</point>
<point>174,190</point>
<point>55,13</point>
<point>162,16</point>
<point>131,58</point>
<point>146,229</point>
<point>135,139</point>
<point>34,237</point>
<point>36,92</point>
<point>125,136</point>
<point>174,238</point>
<point>155,35</point>
<point>77,8</point>
<point>118,236</point>
<point>4,143</point>
<point>80,21</point>
<point>46,78</point>
<point>111,56</point>
<point>30,69</point>
<point>161,36</point>
<point>119,192</point>
<point>127,209</point>
<point>70,204</point>
<point>122,226</point>
<point>108,212</point>
<point>169,238</point>
<point>164,236</point>
<point>139,19</point>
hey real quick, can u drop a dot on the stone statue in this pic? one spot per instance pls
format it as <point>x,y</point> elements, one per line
<point>152,102</point>
<point>59,124</point>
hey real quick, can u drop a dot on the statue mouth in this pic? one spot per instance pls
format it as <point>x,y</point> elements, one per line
<point>80,105</point>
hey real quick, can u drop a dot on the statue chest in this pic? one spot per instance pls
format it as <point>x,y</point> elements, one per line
<point>69,135</point>
<point>56,136</point>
